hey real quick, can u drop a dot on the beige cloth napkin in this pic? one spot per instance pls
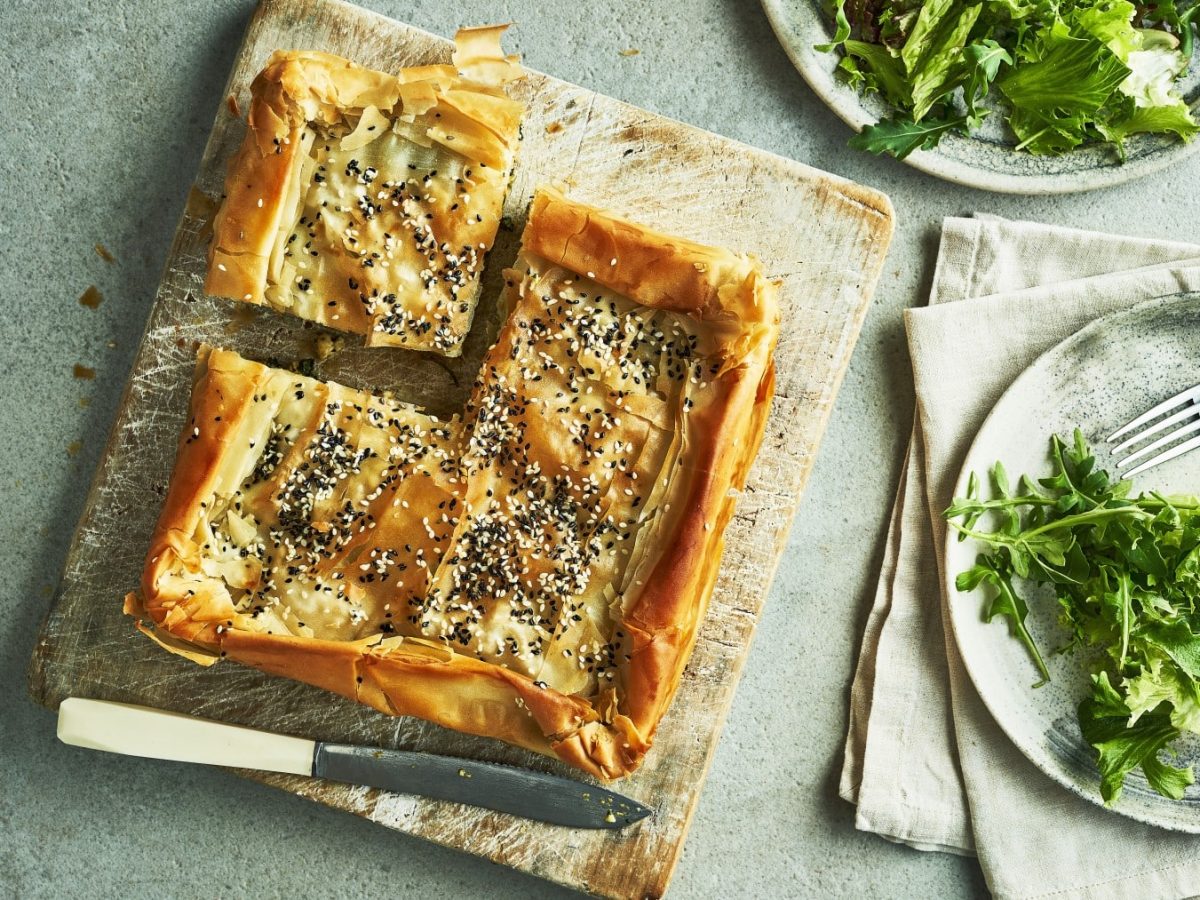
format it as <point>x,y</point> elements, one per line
<point>924,762</point>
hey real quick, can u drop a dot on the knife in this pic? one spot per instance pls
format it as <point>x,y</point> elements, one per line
<point>159,734</point>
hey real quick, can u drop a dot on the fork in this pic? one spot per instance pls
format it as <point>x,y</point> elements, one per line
<point>1182,410</point>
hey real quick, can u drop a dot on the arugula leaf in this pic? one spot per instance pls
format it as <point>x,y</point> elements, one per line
<point>900,137</point>
<point>1123,747</point>
<point>1120,602</point>
<point>1005,602</point>
<point>983,60</point>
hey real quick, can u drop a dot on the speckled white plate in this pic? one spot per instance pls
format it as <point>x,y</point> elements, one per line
<point>986,159</point>
<point>1098,379</point>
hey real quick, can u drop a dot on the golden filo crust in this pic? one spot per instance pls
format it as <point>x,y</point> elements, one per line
<point>533,572</point>
<point>366,201</point>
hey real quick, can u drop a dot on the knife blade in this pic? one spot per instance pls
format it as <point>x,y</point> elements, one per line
<point>159,734</point>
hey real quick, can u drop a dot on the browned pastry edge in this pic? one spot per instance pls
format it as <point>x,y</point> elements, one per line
<point>712,284</point>
<point>412,676</point>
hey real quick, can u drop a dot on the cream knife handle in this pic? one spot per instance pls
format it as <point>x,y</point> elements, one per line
<point>158,734</point>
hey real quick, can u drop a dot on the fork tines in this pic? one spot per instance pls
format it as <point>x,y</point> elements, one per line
<point>1181,411</point>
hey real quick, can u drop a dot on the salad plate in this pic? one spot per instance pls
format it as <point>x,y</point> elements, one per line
<point>1096,381</point>
<point>987,159</point>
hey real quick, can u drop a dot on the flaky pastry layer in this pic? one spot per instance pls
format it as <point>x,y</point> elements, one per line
<point>534,571</point>
<point>366,201</point>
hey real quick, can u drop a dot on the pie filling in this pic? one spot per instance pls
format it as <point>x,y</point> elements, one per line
<point>386,237</point>
<point>516,534</point>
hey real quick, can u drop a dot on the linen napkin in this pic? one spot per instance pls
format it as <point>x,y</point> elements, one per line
<point>924,761</point>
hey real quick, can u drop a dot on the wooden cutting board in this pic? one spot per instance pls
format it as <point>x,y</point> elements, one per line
<point>823,236</point>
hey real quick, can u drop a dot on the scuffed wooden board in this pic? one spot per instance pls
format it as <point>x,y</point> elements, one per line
<point>824,237</point>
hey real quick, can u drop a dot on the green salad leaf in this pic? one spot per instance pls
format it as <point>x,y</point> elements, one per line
<point>1122,746</point>
<point>1174,118</point>
<point>843,29</point>
<point>983,65</point>
<point>1125,575</point>
<point>900,137</point>
<point>1062,73</point>
<point>877,70</point>
<point>1055,96</point>
<point>1005,602</point>
<point>1111,23</point>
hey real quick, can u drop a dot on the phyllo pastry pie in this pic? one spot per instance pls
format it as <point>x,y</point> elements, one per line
<point>367,201</point>
<point>533,571</point>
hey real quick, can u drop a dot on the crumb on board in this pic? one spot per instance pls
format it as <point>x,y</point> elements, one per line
<point>105,254</point>
<point>324,345</point>
<point>243,315</point>
<point>632,51</point>
<point>74,447</point>
<point>85,402</point>
<point>553,127</point>
<point>91,298</point>
<point>84,373</point>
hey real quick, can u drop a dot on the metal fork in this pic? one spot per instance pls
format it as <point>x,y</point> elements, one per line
<point>1182,410</point>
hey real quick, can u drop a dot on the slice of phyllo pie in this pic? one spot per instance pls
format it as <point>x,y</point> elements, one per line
<point>366,201</point>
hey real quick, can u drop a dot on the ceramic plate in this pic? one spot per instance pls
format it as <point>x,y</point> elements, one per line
<point>1098,379</point>
<point>986,159</point>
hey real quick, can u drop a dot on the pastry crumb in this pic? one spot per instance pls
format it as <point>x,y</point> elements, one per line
<point>632,51</point>
<point>241,317</point>
<point>91,298</point>
<point>84,373</point>
<point>204,208</point>
<point>74,447</point>
<point>554,127</point>
<point>325,345</point>
<point>104,253</point>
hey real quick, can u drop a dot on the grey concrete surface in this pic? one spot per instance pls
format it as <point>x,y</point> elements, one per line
<point>108,105</point>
